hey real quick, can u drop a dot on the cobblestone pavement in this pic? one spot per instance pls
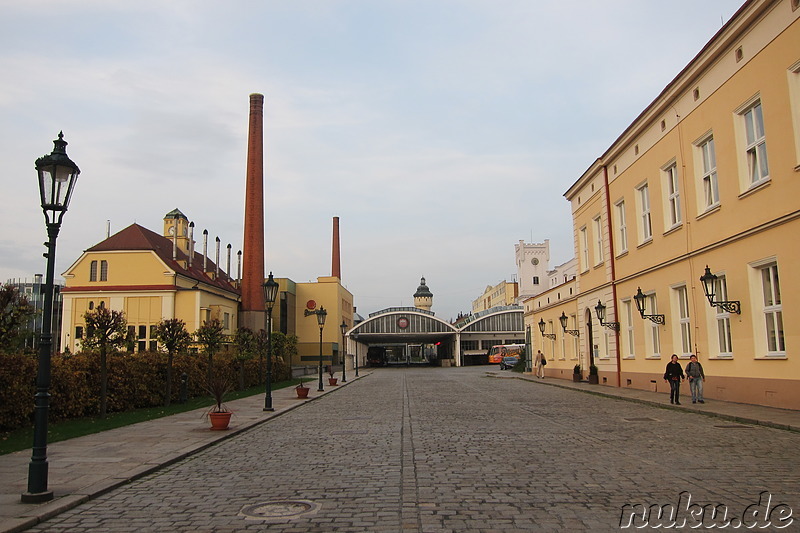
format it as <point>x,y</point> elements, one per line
<point>452,450</point>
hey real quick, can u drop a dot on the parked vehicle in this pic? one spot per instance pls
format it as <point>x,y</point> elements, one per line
<point>496,353</point>
<point>509,361</point>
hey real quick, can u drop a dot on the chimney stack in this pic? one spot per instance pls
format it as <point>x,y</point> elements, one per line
<point>336,266</point>
<point>216,261</point>
<point>191,243</point>
<point>205,250</point>
<point>252,315</point>
<point>228,270</point>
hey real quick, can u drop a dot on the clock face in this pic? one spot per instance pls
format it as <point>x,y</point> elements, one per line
<point>172,230</point>
<point>534,261</point>
<point>402,322</point>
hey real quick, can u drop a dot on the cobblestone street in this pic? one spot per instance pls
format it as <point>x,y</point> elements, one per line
<point>452,450</point>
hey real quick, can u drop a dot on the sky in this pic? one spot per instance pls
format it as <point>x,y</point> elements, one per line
<point>441,132</point>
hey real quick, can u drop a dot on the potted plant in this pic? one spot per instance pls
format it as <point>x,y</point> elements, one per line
<point>219,414</point>
<point>331,379</point>
<point>302,390</point>
<point>576,373</point>
<point>593,377</point>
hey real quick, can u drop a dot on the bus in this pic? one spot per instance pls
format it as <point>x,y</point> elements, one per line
<point>496,353</point>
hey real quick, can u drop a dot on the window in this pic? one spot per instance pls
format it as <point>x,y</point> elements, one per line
<point>682,300</point>
<point>103,270</point>
<point>627,316</point>
<point>773,310</point>
<point>622,228</point>
<point>757,167</point>
<point>78,332</point>
<point>142,332</point>
<point>645,224</point>
<point>673,196</point>
<point>584,249</point>
<point>710,186</point>
<point>93,271</point>
<point>598,240</point>
<point>723,318</point>
<point>535,280</point>
<point>653,337</point>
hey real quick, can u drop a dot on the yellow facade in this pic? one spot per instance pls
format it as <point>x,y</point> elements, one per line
<point>706,175</point>
<point>504,293</point>
<point>327,293</point>
<point>134,272</point>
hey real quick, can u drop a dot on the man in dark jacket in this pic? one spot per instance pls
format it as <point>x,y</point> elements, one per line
<point>674,374</point>
<point>694,371</point>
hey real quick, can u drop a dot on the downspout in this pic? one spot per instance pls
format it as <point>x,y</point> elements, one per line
<point>613,273</point>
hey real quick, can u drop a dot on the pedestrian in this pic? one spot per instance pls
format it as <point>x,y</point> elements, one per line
<point>696,376</point>
<point>541,361</point>
<point>674,374</point>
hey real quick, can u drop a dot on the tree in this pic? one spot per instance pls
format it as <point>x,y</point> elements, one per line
<point>172,334</point>
<point>284,349</point>
<point>246,347</point>
<point>15,311</point>
<point>106,330</point>
<point>210,335</point>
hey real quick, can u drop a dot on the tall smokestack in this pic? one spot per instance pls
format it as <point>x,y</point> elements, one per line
<point>216,261</point>
<point>336,265</point>
<point>228,269</point>
<point>253,269</point>
<point>205,250</point>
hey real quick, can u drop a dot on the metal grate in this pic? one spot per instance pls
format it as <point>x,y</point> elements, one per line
<point>279,510</point>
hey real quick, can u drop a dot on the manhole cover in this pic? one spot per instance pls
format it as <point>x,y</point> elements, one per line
<point>733,426</point>
<point>279,510</point>
<point>643,419</point>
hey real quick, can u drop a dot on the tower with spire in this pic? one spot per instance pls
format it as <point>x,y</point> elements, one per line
<point>423,298</point>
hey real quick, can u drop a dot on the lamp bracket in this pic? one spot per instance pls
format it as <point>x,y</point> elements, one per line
<point>551,336</point>
<point>658,319</point>
<point>573,332</point>
<point>611,325</point>
<point>734,306</point>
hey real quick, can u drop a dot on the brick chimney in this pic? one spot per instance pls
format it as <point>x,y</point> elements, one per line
<point>252,308</point>
<point>336,264</point>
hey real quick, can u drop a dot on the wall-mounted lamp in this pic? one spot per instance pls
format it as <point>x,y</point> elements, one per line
<point>600,309</point>
<point>563,319</point>
<point>641,304</point>
<point>542,325</point>
<point>710,285</point>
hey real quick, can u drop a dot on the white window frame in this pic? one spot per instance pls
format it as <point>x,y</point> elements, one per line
<point>622,228</point>
<point>683,334</point>
<point>645,220</point>
<point>723,320</point>
<point>653,340</point>
<point>751,135</point>
<point>93,270</point>
<point>709,183</point>
<point>583,244</point>
<point>672,213</point>
<point>794,99</point>
<point>598,240</point>
<point>773,309</point>
<point>103,270</point>
<point>627,317</point>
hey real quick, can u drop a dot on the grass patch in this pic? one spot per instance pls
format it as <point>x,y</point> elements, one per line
<point>21,439</point>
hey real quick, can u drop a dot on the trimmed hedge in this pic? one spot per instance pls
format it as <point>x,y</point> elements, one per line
<point>135,380</point>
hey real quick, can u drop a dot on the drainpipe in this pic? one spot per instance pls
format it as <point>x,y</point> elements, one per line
<point>613,273</point>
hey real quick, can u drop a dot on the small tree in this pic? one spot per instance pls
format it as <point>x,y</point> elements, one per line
<point>284,349</point>
<point>246,348</point>
<point>172,335</point>
<point>106,330</point>
<point>15,311</point>
<point>210,335</point>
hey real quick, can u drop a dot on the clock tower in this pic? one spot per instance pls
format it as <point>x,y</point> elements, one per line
<point>176,224</point>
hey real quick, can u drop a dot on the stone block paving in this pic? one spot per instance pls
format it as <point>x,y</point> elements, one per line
<point>453,451</point>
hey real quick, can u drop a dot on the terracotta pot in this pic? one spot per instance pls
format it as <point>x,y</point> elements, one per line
<point>220,421</point>
<point>332,381</point>
<point>302,392</point>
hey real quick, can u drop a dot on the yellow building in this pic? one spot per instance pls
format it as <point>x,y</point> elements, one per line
<point>504,293</point>
<point>150,277</point>
<point>707,175</point>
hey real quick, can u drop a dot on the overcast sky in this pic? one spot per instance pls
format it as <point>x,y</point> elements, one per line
<point>441,132</point>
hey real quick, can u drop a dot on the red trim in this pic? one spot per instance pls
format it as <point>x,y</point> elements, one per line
<point>119,288</point>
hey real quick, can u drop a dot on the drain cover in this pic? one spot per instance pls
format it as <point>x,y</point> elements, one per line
<point>279,510</point>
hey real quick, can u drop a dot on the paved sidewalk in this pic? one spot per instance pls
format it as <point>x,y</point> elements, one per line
<point>85,467</point>
<point>788,419</point>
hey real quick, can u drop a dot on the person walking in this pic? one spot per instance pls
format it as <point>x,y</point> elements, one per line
<point>541,361</point>
<point>674,374</point>
<point>696,376</point>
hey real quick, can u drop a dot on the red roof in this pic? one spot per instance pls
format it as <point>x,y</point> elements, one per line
<point>136,237</point>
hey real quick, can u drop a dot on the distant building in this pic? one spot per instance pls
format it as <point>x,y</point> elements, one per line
<point>423,298</point>
<point>33,290</point>
<point>533,262</point>
<point>504,293</point>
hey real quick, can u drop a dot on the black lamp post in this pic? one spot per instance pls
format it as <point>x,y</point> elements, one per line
<point>600,309</point>
<point>563,319</point>
<point>551,336</point>
<point>355,360</point>
<point>343,326</point>
<point>270,293</point>
<point>322,314</point>
<point>57,177</point>
<point>709,287</point>
<point>641,305</point>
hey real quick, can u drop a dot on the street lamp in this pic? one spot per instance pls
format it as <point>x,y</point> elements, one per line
<point>57,177</point>
<point>270,293</point>
<point>709,287</point>
<point>600,309</point>
<point>322,314</point>
<point>343,326</point>
<point>551,336</point>
<point>563,319</point>
<point>641,305</point>
<point>355,360</point>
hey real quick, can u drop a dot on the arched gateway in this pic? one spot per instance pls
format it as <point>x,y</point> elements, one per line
<point>410,335</point>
